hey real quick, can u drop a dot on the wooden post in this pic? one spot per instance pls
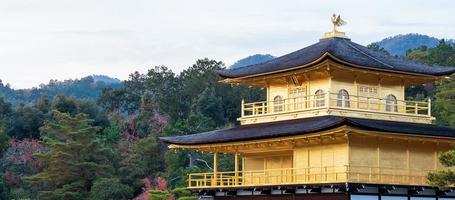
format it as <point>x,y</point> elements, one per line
<point>215,169</point>
<point>236,168</point>
<point>429,107</point>
<point>327,99</point>
<point>242,112</point>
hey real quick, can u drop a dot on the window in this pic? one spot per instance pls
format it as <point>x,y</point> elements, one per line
<point>319,100</point>
<point>297,92</point>
<point>343,98</point>
<point>278,104</point>
<point>297,97</point>
<point>368,91</point>
<point>391,103</point>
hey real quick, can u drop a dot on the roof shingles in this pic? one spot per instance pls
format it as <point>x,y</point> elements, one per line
<point>306,126</point>
<point>343,49</point>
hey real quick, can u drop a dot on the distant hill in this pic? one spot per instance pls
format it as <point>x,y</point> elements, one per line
<point>399,44</point>
<point>106,79</point>
<point>251,60</point>
<point>88,87</point>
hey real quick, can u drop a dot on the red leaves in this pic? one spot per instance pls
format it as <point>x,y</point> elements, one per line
<point>21,151</point>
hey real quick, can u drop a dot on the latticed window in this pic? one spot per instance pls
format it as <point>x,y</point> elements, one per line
<point>319,100</point>
<point>297,97</point>
<point>343,99</point>
<point>391,103</point>
<point>278,104</point>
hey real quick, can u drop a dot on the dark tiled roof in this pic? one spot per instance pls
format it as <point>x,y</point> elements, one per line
<point>306,126</point>
<point>342,49</point>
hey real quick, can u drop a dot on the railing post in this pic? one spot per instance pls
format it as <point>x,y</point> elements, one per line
<point>242,108</point>
<point>416,108</point>
<point>327,99</point>
<point>189,180</point>
<point>368,103</point>
<point>429,107</point>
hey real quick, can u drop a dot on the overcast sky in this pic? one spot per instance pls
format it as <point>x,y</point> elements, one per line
<point>60,39</point>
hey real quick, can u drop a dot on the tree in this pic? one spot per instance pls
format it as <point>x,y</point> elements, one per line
<point>208,104</point>
<point>110,189</point>
<point>142,158</point>
<point>445,102</point>
<point>376,47</point>
<point>17,163</point>
<point>73,160</point>
<point>27,121</point>
<point>444,95</point>
<point>65,104</point>
<point>444,178</point>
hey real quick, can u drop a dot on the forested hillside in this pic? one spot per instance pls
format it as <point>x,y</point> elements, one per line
<point>108,145</point>
<point>89,87</point>
<point>251,60</point>
<point>400,44</point>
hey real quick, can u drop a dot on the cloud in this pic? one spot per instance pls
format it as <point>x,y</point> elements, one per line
<point>58,39</point>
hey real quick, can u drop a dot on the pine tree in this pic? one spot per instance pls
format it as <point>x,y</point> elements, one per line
<point>73,160</point>
<point>444,178</point>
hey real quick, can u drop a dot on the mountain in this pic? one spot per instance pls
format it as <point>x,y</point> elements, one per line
<point>399,44</point>
<point>251,60</point>
<point>89,87</point>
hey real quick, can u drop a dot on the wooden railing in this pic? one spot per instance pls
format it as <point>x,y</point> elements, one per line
<point>315,175</point>
<point>334,100</point>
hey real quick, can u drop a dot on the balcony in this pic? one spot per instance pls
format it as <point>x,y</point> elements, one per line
<point>336,104</point>
<point>293,176</point>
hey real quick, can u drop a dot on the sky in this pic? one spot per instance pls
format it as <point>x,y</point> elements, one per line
<point>62,39</point>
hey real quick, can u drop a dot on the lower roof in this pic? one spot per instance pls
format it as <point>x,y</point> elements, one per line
<point>306,126</point>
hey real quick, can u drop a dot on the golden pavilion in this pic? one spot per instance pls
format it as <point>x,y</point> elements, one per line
<point>335,125</point>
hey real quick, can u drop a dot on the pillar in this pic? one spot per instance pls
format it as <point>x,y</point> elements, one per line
<point>215,169</point>
<point>236,168</point>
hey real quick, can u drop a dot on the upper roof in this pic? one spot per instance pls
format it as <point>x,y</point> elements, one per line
<point>343,49</point>
<point>306,126</point>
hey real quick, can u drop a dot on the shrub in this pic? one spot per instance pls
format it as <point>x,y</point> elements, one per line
<point>181,192</point>
<point>110,188</point>
<point>187,198</point>
<point>158,195</point>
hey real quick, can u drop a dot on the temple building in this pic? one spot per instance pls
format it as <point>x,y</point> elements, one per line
<point>335,125</point>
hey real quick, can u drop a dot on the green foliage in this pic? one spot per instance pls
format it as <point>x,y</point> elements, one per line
<point>444,178</point>
<point>188,198</point>
<point>376,47</point>
<point>85,88</point>
<point>158,195</point>
<point>27,121</point>
<point>444,95</point>
<point>442,54</point>
<point>74,158</point>
<point>4,190</point>
<point>3,140</point>
<point>142,159</point>
<point>181,192</point>
<point>208,104</point>
<point>445,102</point>
<point>110,189</point>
